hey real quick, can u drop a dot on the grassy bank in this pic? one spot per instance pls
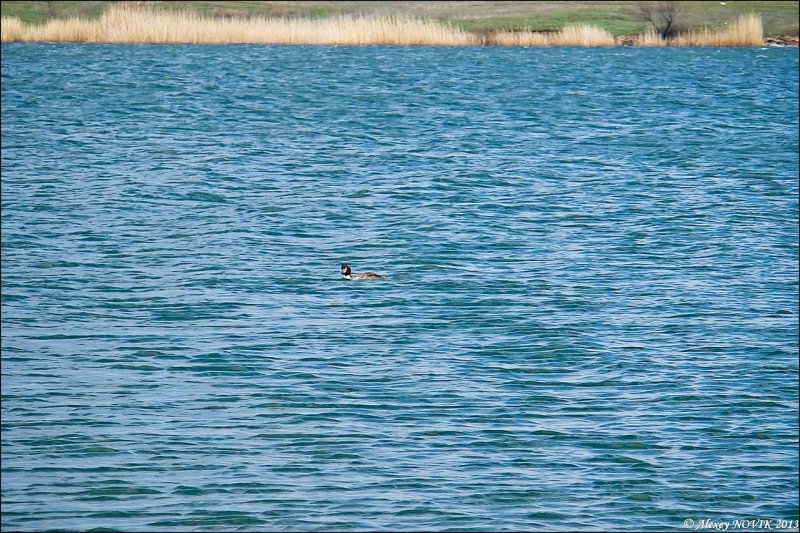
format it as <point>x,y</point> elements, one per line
<point>135,23</point>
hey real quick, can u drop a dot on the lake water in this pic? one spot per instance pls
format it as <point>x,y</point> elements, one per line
<point>590,319</point>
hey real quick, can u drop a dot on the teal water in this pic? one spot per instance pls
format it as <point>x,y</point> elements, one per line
<point>590,319</point>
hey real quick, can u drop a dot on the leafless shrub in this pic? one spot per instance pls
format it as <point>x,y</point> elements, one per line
<point>662,16</point>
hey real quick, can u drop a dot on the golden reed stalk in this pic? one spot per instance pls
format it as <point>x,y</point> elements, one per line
<point>650,38</point>
<point>747,30</point>
<point>578,35</point>
<point>126,23</point>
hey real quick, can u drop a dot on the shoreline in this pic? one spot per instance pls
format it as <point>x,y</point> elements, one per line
<point>623,41</point>
<point>124,23</point>
<point>784,41</point>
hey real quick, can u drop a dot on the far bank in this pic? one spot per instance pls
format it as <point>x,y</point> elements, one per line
<point>133,23</point>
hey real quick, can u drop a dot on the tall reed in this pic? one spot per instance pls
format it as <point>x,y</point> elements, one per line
<point>576,35</point>
<point>127,24</point>
<point>583,35</point>
<point>519,38</point>
<point>747,30</point>
<point>11,30</point>
<point>650,38</point>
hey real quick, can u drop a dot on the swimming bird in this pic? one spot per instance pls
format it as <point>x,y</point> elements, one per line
<point>347,273</point>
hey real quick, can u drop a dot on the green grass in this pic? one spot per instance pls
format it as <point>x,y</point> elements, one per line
<point>779,17</point>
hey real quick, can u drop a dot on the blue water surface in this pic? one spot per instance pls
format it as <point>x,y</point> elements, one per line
<point>590,319</point>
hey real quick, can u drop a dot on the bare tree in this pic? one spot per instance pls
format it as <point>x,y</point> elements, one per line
<point>661,15</point>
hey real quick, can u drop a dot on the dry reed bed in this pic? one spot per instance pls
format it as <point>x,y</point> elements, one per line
<point>577,35</point>
<point>746,31</point>
<point>128,24</point>
<point>123,24</point>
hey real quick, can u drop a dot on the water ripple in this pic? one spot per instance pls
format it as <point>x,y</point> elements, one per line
<point>589,320</point>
